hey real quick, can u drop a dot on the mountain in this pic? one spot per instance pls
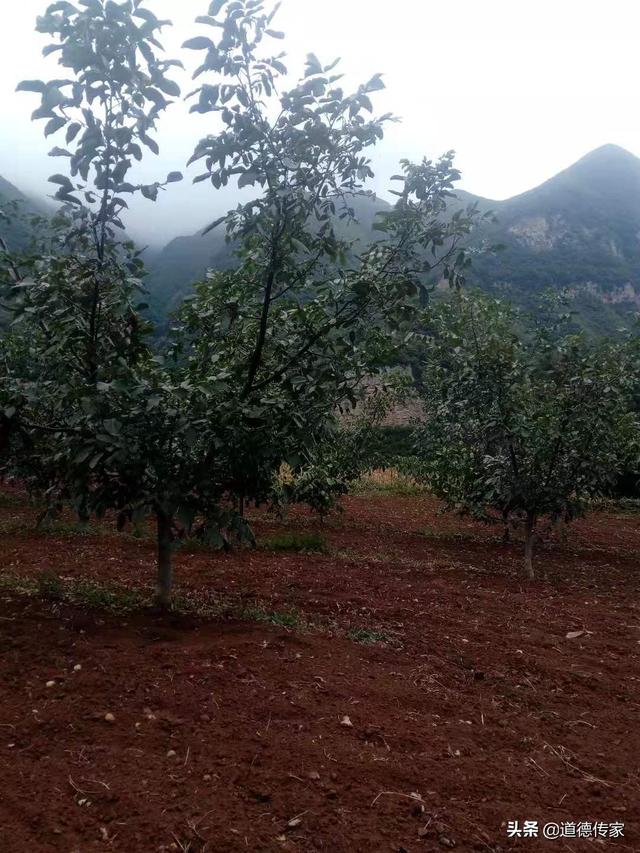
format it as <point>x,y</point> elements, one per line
<point>578,231</point>
<point>14,230</point>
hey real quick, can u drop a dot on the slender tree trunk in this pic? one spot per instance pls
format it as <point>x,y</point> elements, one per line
<point>241,506</point>
<point>528,545</point>
<point>165,569</point>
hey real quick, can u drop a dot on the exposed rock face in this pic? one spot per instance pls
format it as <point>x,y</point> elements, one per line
<point>538,232</point>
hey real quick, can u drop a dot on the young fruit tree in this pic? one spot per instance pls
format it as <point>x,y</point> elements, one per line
<point>77,334</point>
<point>262,357</point>
<point>522,423</point>
<point>307,313</point>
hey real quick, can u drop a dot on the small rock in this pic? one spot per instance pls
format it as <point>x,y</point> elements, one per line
<point>206,778</point>
<point>51,684</point>
<point>109,717</point>
<point>77,667</point>
<point>313,775</point>
<point>171,753</point>
<point>295,821</point>
<point>345,721</point>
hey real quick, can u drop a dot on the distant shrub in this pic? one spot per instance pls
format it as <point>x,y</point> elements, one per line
<point>299,542</point>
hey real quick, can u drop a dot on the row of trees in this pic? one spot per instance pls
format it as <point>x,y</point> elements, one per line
<point>523,423</point>
<point>262,358</point>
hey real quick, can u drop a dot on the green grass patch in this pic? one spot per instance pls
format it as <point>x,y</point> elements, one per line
<point>82,593</point>
<point>100,597</point>
<point>297,542</point>
<point>286,619</point>
<point>367,636</point>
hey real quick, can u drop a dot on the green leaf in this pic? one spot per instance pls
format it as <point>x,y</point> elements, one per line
<point>169,87</point>
<point>63,180</point>
<point>150,191</point>
<point>151,144</point>
<point>313,65</point>
<point>54,125</point>
<point>31,86</point>
<point>375,84</point>
<point>73,130</point>
<point>83,455</point>
<point>198,43</point>
<point>51,48</point>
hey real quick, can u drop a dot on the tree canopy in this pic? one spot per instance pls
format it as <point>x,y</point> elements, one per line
<point>523,421</point>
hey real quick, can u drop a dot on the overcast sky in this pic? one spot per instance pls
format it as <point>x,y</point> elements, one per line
<point>519,88</point>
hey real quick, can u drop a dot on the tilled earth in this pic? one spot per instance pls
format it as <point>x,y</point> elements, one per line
<point>416,694</point>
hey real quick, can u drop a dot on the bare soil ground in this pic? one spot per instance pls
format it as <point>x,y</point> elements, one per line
<point>408,691</point>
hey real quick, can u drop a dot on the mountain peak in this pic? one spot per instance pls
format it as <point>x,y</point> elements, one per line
<point>608,156</point>
<point>610,149</point>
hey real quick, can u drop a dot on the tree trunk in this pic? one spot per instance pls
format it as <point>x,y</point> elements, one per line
<point>165,569</point>
<point>528,545</point>
<point>241,506</point>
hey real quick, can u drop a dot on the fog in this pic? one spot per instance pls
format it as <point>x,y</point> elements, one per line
<point>519,90</point>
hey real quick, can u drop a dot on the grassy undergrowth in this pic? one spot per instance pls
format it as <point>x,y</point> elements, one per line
<point>119,600</point>
<point>388,481</point>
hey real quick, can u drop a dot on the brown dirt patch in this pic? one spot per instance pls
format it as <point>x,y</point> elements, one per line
<point>477,702</point>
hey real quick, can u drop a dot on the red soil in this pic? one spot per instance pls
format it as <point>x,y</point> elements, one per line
<point>477,709</point>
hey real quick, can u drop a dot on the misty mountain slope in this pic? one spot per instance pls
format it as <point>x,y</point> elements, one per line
<point>578,231</point>
<point>16,233</point>
<point>183,261</point>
